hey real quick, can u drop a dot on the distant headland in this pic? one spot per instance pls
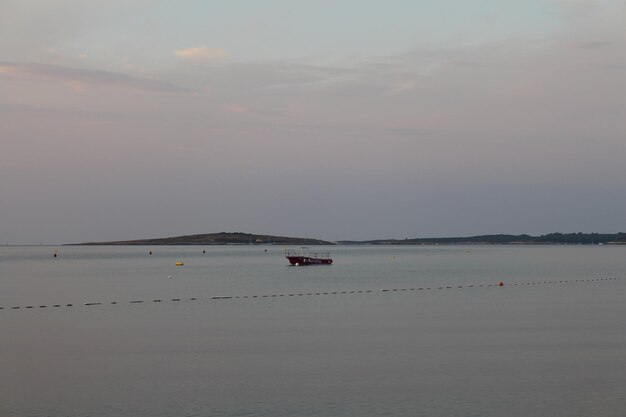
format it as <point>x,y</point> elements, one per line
<point>548,239</point>
<point>223,238</point>
<point>238,238</point>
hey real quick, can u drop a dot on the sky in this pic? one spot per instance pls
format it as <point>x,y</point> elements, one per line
<point>336,120</point>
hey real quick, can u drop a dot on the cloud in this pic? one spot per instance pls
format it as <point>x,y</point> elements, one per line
<point>7,70</point>
<point>202,53</point>
<point>78,78</point>
<point>592,44</point>
<point>235,108</point>
<point>577,10</point>
<point>401,87</point>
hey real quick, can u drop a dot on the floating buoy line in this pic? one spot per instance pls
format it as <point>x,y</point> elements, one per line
<point>499,284</point>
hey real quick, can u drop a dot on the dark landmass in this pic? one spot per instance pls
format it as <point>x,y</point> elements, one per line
<point>549,239</point>
<point>219,239</point>
<point>247,239</point>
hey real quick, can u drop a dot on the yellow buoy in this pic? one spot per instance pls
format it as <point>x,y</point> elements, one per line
<point>179,264</point>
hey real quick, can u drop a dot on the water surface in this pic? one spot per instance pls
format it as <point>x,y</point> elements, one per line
<point>541,347</point>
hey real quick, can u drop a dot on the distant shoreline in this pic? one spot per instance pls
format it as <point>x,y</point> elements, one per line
<point>238,238</point>
<point>502,239</point>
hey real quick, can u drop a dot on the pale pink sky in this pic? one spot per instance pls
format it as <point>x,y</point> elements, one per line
<point>119,131</point>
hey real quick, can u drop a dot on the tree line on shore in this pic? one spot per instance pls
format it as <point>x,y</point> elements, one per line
<point>239,238</point>
<point>503,239</point>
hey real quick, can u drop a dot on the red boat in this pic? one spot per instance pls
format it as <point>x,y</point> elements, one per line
<point>302,256</point>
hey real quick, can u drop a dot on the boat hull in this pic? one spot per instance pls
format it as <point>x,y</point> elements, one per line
<point>307,260</point>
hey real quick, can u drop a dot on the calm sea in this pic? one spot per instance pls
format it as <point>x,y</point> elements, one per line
<point>384,331</point>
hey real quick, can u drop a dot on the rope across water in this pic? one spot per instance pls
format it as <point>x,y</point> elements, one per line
<point>311,294</point>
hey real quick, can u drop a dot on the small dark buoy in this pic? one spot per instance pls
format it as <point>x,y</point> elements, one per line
<point>204,251</point>
<point>150,252</point>
<point>55,255</point>
<point>500,284</point>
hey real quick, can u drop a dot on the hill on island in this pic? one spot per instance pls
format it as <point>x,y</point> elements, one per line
<point>223,238</point>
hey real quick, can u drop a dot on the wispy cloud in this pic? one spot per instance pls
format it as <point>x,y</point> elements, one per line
<point>235,108</point>
<point>78,78</point>
<point>6,69</point>
<point>592,44</point>
<point>576,10</point>
<point>202,53</point>
<point>401,87</point>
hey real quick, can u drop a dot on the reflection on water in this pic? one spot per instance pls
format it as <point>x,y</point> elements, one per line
<point>483,351</point>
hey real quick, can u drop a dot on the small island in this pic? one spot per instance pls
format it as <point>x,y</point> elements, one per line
<point>236,238</point>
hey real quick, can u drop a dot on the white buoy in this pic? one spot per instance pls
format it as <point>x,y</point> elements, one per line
<point>169,276</point>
